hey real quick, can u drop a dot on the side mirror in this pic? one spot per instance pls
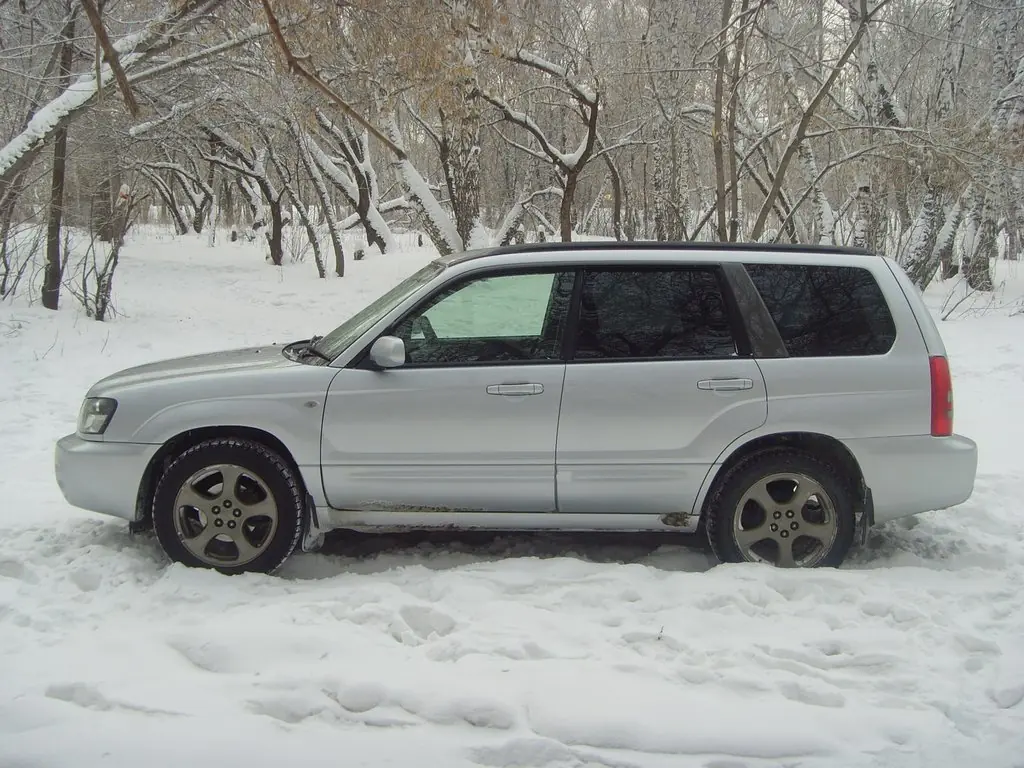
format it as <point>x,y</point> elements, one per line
<point>388,352</point>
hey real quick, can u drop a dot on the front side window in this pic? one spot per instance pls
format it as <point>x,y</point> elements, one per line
<point>493,319</point>
<point>653,313</point>
<point>824,311</point>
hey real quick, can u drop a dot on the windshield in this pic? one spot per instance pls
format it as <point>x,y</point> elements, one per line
<point>335,342</point>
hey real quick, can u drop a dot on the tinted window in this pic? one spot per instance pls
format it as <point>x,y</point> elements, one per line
<point>503,318</point>
<point>652,313</point>
<point>825,311</point>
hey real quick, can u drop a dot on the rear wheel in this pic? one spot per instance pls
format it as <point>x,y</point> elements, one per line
<point>785,508</point>
<point>229,504</point>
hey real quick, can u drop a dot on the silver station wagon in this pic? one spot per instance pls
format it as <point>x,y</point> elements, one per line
<point>781,399</point>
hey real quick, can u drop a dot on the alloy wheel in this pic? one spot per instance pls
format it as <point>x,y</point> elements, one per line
<point>225,515</point>
<point>786,519</point>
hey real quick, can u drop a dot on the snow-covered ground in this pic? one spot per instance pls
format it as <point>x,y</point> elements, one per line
<point>541,651</point>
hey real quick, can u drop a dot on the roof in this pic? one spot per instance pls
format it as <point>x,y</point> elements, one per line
<point>652,245</point>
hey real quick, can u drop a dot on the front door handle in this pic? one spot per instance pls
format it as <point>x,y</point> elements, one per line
<point>725,385</point>
<point>515,390</point>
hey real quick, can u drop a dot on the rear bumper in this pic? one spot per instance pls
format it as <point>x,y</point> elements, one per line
<point>99,476</point>
<point>913,474</point>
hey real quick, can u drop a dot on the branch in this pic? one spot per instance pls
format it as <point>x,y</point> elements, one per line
<point>620,145</point>
<point>400,203</point>
<point>805,121</point>
<point>110,56</point>
<point>340,179</point>
<point>141,129</point>
<point>296,65</point>
<point>238,168</point>
<point>423,123</point>
<point>254,31</point>
<point>821,175</point>
<point>526,122</point>
<point>523,148</point>
<point>532,60</point>
<point>504,233</point>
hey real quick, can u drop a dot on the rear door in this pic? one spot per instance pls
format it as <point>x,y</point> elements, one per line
<point>659,381</point>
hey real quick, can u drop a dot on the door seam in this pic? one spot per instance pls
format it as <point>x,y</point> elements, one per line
<point>558,432</point>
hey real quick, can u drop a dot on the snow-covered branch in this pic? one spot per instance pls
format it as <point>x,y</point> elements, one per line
<point>132,49</point>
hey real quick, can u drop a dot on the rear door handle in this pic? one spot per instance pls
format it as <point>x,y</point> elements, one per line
<point>720,385</point>
<point>515,390</point>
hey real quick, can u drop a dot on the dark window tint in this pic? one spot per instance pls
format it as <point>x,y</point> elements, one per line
<point>825,311</point>
<point>652,313</point>
<point>494,319</point>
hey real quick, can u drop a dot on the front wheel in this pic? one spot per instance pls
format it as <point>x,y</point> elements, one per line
<point>785,508</point>
<point>229,504</point>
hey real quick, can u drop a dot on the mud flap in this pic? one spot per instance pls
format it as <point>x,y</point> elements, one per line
<point>312,534</point>
<point>867,516</point>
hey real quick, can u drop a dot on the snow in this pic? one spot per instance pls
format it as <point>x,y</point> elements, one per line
<point>539,62</point>
<point>546,650</point>
<point>419,191</point>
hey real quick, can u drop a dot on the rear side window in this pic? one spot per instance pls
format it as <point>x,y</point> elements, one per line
<point>825,311</point>
<point>652,313</point>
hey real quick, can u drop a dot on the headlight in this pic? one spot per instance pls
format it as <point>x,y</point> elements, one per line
<point>95,415</point>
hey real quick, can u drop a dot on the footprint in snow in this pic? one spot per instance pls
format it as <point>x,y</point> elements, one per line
<point>88,696</point>
<point>421,622</point>
<point>538,753</point>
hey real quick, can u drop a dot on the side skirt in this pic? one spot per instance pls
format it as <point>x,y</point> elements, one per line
<point>389,521</point>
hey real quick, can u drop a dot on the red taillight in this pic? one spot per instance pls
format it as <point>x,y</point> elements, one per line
<point>942,397</point>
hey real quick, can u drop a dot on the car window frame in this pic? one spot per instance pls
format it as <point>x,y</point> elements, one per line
<point>737,326</point>
<point>363,361</point>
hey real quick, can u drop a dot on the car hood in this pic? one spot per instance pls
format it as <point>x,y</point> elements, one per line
<point>213,364</point>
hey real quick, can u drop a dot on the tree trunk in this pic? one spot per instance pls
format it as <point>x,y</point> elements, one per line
<point>314,241</point>
<point>979,268</point>
<point>565,213</point>
<point>274,235</point>
<point>921,263</point>
<point>103,213</point>
<point>717,141</point>
<point>227,196</point>
<point>9,272</point>
<point>358,186</point>
<point>166,193</point>
<point>54,271</point>
<point>613,171</point>
<point>945,241</point>
<point>659,180</point>
<point>205,206</point>
<point>460,161</point>
<point>324,198</point>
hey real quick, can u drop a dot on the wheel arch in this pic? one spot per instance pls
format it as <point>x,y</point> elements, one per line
<point>185,440</point>
<point>813,443</point>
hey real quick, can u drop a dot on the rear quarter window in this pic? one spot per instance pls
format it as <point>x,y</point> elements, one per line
<point>825,311</point>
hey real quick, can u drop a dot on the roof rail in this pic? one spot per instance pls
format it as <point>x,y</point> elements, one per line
<point>643,245</point>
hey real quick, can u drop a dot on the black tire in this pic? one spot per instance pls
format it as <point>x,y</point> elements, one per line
<point>284,495</point>
<point>741,480</point>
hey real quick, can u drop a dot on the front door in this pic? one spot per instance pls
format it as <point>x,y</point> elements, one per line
<point>469,422</point>
<point>658,385</point>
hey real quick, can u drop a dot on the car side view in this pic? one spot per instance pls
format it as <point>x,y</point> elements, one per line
<point>783,399</point>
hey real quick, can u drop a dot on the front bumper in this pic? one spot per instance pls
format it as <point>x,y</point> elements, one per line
<point>100,476</point>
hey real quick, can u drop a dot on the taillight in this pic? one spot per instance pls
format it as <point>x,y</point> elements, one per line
<point>942,397</point>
